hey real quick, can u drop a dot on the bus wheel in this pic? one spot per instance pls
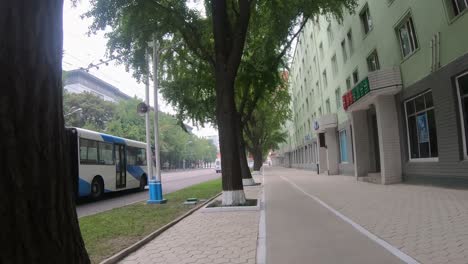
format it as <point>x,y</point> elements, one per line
<point>143,182</point>
<point>97,188</point>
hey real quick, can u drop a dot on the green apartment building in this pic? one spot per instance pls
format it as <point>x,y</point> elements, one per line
<point>382,94</point>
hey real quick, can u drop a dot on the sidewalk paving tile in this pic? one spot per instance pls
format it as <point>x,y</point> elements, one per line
<point>214,237</point>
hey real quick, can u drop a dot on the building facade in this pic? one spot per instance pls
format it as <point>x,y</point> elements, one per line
<point>383,93</point>
<point>78,81</point>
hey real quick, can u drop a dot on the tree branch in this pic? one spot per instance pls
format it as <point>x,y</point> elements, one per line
<point>288,44</point>
<point>238,39</point>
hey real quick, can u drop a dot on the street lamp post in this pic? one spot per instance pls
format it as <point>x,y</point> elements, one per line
<point>155,186</point>
<point>149,155</point>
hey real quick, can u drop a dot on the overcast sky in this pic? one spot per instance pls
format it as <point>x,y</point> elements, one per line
<point>81,50</point>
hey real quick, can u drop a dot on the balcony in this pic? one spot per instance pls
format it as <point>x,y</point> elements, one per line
<point>381,82</point>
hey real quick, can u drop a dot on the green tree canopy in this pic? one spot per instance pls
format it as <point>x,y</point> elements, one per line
<point>95,112</point>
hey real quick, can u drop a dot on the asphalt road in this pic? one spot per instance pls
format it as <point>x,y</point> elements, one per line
<point>171,181</point>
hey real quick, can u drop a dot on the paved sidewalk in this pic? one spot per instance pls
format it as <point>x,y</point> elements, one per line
<point>206,237</point>
<point>300,230</point>
<point>428,223</point>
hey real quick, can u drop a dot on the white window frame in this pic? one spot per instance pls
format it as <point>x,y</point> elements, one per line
<point>376,56</point>
<point>431,159</point>
<point>330,35</point>
<point>343,50</point>
<point>460,108</point>
<point>412,36</point>
<point>322,52</point>
<point>350,86</point>
<point>355,82</point>
<point>349,37</point>
<point>452,13</point>
<point>365,12</point>
<point>338,98</point>
<point>334,63</point>
<point>325,78</point>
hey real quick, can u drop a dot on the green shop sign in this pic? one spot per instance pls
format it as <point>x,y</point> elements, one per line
<point>356,93</point>
<point>361,89</point>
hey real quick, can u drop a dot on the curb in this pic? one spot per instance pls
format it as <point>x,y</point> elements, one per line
<point>261,237</point>
<point>129,250</point>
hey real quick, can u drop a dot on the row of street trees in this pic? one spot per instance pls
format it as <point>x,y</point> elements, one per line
<point>221,60</point>
<point>178,147</point>
<point>237,46</point>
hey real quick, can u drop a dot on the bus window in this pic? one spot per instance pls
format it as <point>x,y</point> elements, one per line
<point>106,153</point>
<point>136,156</point>
<point>88,151</point>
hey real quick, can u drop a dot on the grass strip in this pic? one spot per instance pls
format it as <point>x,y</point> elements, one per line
<point>109,232</point>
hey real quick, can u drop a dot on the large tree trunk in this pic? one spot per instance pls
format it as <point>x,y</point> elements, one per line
<point>229,39</point>
<point>258,159</point>
<point>37,207</point>
<point>233,192</point>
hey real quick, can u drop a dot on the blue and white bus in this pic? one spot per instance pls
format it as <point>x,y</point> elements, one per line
<point>102,163</point>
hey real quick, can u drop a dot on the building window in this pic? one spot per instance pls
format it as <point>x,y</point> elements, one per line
<point>462,90</point>
<point>343,146</point>
<point>315,63</point>
<point>456,7</point>
<point>321,50</point>
<point>350,42</point>
<point>407,36</point>
<point>330,35</point>
<point>325,81</point>
<point>338,97</point>
<point>334,65</point>
<point>348,83</point>
<point>373,61</point>
<point>420,121</point>
<point>366,20</point>
<point>343,50</point>
<point>355,76</point>
<point>327,105</point>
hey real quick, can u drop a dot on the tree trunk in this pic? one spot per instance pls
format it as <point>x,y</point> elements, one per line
<point>229,40</point>
<point>247,179</point>
<point>233,191</point>
<point>258,159</point>
<point>37,207</point>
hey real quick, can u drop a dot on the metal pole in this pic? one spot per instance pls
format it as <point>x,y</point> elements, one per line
<point>155,185</point>
<point>156,106</point>
<point>147,123</point>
